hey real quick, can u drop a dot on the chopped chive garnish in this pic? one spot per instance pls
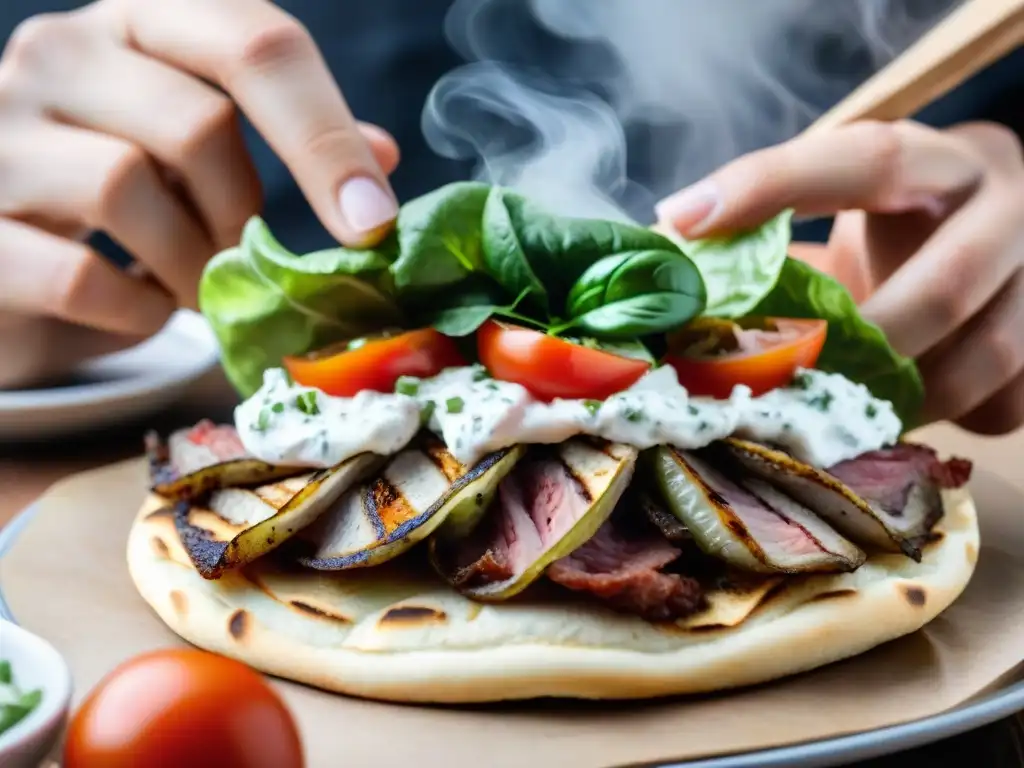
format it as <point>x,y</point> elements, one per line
<point>480,374</point>
<point>277,407</point>
<point>633,415</point>
<point>871,411</point>
<point>263,420</point>
<point>454,405</point>
<point>592,405</point>
<point>407,385</point>
<point>427,410</point>
<point>307,403</point>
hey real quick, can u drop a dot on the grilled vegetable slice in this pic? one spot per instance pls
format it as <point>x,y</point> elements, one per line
<point>833,501</point>
<point>553,502</point>
<point>414,494</point>
<point>744,520</point>
<point>237,526</point>
<point>202,458</point>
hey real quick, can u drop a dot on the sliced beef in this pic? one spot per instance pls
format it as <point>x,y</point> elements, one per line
<point>543,509</point>
<point>902,484</point>
<point>622,565</point>
<point>486,569</point>
<point>192,449</point>
<point>669,525</point>
<point>203,445</point>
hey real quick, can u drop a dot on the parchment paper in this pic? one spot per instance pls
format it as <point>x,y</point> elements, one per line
<point>66,579</point>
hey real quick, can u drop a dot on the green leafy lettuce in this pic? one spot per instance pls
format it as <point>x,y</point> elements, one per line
<point>741,269</point>
<point>854,347</point>
<point>264,302</point>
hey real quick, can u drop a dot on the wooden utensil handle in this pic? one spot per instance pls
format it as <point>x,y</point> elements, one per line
<point>970,38</point>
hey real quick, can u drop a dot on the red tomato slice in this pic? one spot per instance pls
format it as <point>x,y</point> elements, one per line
<point>551,367</point>
<point>712,356</point>
<point>183,707</point>
<point>375,363</point>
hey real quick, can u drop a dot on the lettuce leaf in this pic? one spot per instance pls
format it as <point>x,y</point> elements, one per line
<point>854,347</point>
<point>264,302</point>
<point>740,270</point>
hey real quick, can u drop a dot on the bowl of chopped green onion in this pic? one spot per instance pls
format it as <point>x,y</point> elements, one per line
<point>35,694</point>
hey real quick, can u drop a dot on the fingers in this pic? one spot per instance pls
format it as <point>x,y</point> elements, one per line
<point>37,349</point>
<point>64,173</point>
<point>271,67</point>
<point>953,275</point>
<point>186,125</point>
<point>47,275</point>
<point>981,358</point>
<point>870,166</point>
<point>1001,414</point>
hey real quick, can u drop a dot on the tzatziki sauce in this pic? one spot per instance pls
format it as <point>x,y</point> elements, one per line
<point>286,423</point>
<point>821,419</point>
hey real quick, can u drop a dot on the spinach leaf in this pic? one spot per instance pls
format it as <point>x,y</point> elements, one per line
<point>477,299</point>
<point>440,237</point>
<point>264,302</point>
<point>741,269</point>
<point>504,256</point>
<point>632,348</point>
<point>525,247</point>
<point>636,293</point>
<point>854,347</point>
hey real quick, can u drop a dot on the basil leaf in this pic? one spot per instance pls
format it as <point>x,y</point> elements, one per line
<point>854,346</point>
<point>638,315</point>
<point>742,269</point>
<point>440,237</point>
<point>636,293</point>
<point>264,302</point>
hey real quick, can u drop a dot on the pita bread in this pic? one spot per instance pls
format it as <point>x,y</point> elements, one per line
<point>396,632</point>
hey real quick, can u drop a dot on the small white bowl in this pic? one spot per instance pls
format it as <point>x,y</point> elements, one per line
<point>121,386</point>
<point>35,664</point>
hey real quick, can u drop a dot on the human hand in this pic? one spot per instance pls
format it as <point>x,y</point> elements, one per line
<point>121,117</point>
<point>929,232</point>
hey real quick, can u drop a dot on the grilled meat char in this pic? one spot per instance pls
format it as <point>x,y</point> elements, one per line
<point>623,566</point>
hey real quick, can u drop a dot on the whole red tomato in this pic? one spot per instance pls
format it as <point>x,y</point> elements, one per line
<point>183,708</point>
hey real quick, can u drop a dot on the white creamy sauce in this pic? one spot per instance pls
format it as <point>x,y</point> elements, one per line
<point>286,423</point>
<point>821,419</point>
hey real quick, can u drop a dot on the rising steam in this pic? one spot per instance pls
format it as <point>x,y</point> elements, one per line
<point>601,107</point>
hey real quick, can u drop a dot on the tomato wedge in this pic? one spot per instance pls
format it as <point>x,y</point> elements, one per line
<point>551,367</point>
<point>712,356</point>
<point>375,363</point>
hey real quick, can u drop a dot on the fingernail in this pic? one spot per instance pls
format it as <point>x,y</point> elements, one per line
<point>365,205</point>
<point>691,210</point>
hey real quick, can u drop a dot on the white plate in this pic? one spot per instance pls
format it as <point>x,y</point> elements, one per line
<point>35,664</point>
<point>130,384</point>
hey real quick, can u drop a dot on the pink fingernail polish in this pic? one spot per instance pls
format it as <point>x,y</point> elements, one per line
<point>691,210</point>
<point>365,205</point>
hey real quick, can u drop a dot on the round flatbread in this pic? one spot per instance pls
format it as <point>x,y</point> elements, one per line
<point>396,632</point>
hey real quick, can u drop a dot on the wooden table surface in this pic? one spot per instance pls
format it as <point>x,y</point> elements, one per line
<point>26,471</point>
